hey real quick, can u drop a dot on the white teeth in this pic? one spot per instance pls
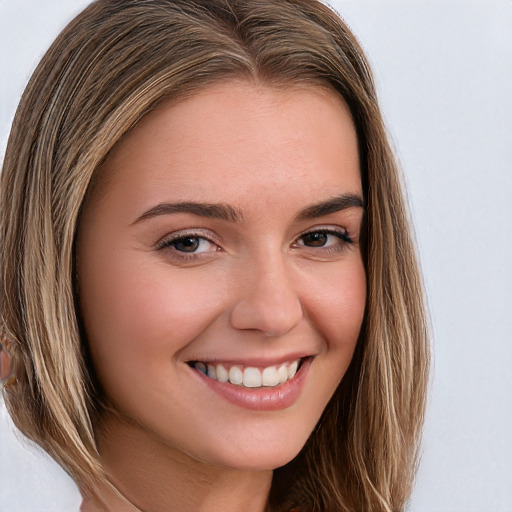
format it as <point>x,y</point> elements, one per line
<point>236,375</point>
<point>269,376</point>
<point>282,373</point>
<point>212,372</point>
<point>222,373</point>
<point>250,377</point>
<point>293,369</point>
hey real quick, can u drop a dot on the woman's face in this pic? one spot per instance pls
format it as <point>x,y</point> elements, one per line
<point>225,239</point>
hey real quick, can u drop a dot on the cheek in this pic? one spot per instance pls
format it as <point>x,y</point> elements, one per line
<point>338,306</point>
<point>141,316</point>
<point>336,310</point>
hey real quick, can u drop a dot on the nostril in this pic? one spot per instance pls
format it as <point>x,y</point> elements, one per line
<point>273,314</point>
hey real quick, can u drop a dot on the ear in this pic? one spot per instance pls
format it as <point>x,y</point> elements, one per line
<point>7,364</point>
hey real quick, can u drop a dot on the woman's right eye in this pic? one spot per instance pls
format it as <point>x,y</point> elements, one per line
<point>188,245</point>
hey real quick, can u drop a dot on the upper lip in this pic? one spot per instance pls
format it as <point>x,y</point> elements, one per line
<point>252,361</point>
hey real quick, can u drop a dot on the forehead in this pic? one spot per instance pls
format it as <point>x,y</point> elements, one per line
<point>236,136</point>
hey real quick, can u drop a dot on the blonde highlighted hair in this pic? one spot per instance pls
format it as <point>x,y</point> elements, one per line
<point>110,66</point>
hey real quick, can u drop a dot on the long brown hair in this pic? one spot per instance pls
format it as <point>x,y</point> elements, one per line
<point>110,66</point>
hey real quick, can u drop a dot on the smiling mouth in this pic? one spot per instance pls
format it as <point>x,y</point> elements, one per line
<point>250,376</point>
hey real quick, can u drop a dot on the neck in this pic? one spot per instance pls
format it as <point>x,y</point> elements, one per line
<point>152,477</point>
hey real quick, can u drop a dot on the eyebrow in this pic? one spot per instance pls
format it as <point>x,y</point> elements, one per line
<point>336,204</point>
<point>213,211</point>
<point>227,212</point>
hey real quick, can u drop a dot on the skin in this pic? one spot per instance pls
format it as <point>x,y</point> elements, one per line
<point>6,364</point>
<point>256,289</point>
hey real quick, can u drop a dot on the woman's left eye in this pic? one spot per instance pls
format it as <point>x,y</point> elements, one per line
<point>325,238</point>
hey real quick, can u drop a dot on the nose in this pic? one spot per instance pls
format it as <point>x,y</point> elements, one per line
<point>267,300</point>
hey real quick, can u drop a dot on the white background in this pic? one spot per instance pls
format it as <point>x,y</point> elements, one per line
<point>444,74</point>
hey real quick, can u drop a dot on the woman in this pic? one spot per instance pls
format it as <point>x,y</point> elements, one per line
<point>208,279</point>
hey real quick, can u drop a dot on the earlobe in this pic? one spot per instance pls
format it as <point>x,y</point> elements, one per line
<point>7,365</point>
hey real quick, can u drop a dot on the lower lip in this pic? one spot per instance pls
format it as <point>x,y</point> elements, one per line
<point>261,399</point>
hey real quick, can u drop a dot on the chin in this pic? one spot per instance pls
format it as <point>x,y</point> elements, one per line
<point>266,453</point>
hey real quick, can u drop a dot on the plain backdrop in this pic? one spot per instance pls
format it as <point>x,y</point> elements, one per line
<point>444,75</point>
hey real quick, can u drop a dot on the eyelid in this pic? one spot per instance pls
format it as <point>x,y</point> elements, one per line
<point>342,232</point>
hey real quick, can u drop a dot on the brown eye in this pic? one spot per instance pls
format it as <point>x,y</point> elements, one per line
<point>186,244</point>
<point>327,239</point>
<point>315,239</point>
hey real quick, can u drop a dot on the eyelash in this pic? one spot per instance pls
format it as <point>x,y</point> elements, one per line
<point>168,242</point>
<point>340,234</point>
